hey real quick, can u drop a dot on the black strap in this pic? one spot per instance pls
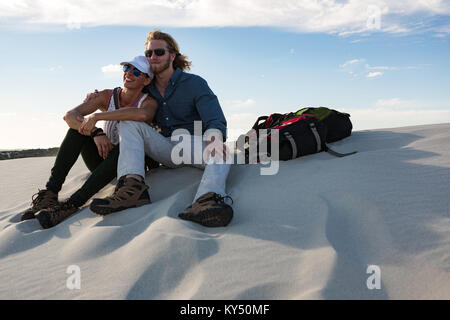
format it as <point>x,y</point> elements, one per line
<point>100,134</point>
<point>97,132</point>
<point>337,154</point>
<point>116,98</point>
<point>327,149</point>
<point>255,126</point>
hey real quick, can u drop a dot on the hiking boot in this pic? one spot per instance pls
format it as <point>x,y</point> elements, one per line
<point>52,216</point>
<point>209,210</point>
<point>129,193</point>
<point>42,200</point>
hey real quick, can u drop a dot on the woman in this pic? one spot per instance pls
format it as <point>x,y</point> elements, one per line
<point>98,147</point>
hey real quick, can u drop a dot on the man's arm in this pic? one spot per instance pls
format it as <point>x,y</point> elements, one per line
<point>74,117</point>
<point>213,118</point>
<point>209,108</point>
<point>145,113</point>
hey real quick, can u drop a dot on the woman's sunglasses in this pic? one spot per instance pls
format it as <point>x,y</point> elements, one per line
<point>135,71</point>
<point>159,52</point>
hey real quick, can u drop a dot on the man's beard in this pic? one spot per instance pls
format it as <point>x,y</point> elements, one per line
<point>161,68</point>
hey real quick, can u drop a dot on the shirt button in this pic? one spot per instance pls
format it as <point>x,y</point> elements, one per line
<point>164,103</point>
<point>167,118</point>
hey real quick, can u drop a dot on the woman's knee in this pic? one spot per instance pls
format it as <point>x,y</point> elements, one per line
<point>73,132</point>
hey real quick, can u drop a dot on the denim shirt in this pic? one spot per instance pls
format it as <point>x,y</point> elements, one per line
<point>187,98</point>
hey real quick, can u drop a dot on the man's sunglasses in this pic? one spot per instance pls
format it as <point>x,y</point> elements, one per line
<point>159,52</point>
<point>135,71</point>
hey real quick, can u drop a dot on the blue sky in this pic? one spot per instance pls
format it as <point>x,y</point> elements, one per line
<point>258,58</point>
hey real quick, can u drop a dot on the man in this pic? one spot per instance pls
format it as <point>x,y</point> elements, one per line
<point>99,149</point>
<point>182,99</point>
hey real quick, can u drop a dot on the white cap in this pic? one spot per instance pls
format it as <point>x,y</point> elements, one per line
<point>140,63</point>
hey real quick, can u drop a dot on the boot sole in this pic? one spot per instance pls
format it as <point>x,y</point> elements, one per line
<point>103,211</point>
<point>28,216</point>
<point>44,220</point>
<point>32,213</point>
<point>210,218</point>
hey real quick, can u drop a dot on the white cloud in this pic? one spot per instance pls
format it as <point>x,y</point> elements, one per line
<point>7,114</point>
<point>329,16</point>
<point>442,31</point>
<point>359,67</point>
<point>73,25</point>
<point>374,74</point>
<point>57,68</point>
<point>239,104</point>
<point>239,123</point>
<point>395,103</point>
<point>351,62</point>
<point>112,68</point>
<point>36,130</point>
<point>378,118</point>
<point>380,67</point>
<point>354,67</point>
<point>239,115</point>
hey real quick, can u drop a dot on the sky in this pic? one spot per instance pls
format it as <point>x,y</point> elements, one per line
<point>385,62</point>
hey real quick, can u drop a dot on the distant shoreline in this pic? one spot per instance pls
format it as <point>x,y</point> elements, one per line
<point>27,153</point>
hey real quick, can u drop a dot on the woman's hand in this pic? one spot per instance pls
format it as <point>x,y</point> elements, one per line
<point>73,120</point>
<point>104,145</point>
<point>87,125</point>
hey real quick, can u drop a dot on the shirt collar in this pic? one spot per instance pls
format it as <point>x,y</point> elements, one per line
<point>176,76</point>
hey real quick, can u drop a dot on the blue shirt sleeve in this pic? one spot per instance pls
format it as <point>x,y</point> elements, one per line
<point>209,109</point>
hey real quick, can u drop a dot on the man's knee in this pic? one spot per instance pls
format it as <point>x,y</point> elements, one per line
<point>137,128</point>
<point>129,125</point>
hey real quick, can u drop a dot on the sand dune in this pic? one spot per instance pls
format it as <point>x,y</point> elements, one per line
<point>308,232</point>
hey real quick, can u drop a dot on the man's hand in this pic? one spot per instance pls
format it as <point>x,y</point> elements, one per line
<point>87,125</point>
<point>104,145</point>
<point>216,151</point>
<point>91,96</point>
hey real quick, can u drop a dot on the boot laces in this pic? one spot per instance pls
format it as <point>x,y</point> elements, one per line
<point>122,191</point>
<point>38,197</point>
<point>219,198</point>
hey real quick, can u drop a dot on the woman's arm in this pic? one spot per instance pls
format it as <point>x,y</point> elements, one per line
<point>145,113</point>
<point>74,117</point>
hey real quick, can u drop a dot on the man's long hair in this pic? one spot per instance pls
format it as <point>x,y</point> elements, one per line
<point>180,59</point>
